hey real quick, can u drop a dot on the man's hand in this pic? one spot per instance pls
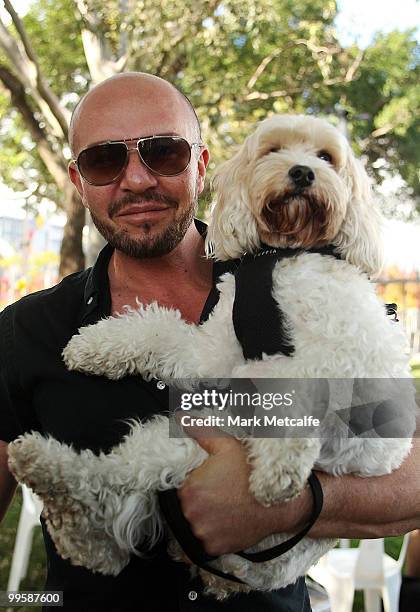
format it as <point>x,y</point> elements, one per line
<point>223,514</point>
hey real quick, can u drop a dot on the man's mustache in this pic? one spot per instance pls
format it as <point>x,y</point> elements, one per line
<point>146,196</point>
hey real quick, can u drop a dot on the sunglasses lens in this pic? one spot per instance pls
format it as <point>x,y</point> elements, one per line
<point>102,164</point>
<point>165,155</point>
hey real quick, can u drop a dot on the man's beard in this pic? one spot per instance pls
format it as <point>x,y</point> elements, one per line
<point>145,246</point>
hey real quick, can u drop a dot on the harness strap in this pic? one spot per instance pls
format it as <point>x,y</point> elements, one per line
<point>259,323</point>
<point>280,549</point>
<point>171,509</point>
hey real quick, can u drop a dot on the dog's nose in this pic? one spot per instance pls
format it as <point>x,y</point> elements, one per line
<point>302,176</point>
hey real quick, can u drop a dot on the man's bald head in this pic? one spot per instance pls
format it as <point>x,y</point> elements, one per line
<point>130,82</point>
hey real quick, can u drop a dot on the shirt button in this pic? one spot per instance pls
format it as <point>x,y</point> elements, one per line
<point>192,595</point>
<point>160,385</point>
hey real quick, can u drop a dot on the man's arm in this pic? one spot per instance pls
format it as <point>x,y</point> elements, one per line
<point>373,507</point>
<point>216,501</point>
<point>7,482</point>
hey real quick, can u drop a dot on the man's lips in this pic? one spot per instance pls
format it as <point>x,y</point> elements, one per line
<point>138,209</point>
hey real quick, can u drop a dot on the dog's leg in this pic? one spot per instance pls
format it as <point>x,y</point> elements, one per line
<point>70,485</point>
<point>281,462</point>
<point>151,461</point>
<point>280,467</point>
<point>126,344</point>
<point>363,456</point>
<point>154,342</point>
<point>369,432</point>
<point>100,508</point>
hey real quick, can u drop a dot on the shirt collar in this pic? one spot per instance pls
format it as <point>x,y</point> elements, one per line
<point>96,298</point>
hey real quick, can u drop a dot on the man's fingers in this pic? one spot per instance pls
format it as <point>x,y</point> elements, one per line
<point>212,439</point>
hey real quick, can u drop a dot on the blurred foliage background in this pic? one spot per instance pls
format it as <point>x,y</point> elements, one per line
<point>237,60</point>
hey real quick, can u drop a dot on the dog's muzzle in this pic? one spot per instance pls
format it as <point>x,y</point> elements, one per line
<point>291,213</point>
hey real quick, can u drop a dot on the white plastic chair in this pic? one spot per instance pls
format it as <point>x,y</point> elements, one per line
<point>318,596</point>
<point>343,570</point>
<point>29,518</point>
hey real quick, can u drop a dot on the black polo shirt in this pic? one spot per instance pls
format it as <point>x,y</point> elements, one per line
<point>37,392</point>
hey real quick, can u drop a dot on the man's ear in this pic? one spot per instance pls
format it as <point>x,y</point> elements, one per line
<point>75,178</point>
<point>203,161</point>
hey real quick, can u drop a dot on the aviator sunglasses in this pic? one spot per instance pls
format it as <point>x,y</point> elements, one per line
<point>103,164</point>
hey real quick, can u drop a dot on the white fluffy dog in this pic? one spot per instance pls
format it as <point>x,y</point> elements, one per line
<point>293,184</point>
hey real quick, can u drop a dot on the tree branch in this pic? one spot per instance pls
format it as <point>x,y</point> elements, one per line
<point>178,62</point>
<point>258,95</point>
<point>262,66</point>
<point>71,252</point>
<point>54,162</point>
<point>29,62</point>
<point>354,67</point>
<point>316,49</point>
<point>281,93</point>
<point>300,41</point>
<point>382,131</point>
<point>97,49</point>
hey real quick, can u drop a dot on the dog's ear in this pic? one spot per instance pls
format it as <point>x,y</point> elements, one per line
<point>232,228</point>
<point>360,237</point>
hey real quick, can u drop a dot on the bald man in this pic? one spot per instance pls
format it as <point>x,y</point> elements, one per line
<point>139,166</point>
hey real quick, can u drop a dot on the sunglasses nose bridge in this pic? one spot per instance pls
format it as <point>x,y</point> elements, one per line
<point>136,148</point>
<point>133,148</point>
<point>137,173</point>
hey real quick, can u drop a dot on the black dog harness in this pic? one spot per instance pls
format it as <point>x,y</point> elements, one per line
<point>258,321</point>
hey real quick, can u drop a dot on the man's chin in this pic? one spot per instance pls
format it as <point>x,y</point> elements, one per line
<point>142,248</point>
<point>152,241</point>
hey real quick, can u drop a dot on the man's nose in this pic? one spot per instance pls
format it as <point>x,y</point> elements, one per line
<point>136,176</point>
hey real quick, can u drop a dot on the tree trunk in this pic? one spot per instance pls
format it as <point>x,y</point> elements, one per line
<point>72,258</point>
<point>94,243</point>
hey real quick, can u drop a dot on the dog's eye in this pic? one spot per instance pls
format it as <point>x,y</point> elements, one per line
<point>325,156</point>
<point>274,149</point>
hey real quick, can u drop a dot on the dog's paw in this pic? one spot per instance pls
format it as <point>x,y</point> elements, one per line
<point>51,469</point>
<point>280,468</point>
<point>31,461</point>
<point>77,538</point>
<point>285,486</point>
<point>100,349</point>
